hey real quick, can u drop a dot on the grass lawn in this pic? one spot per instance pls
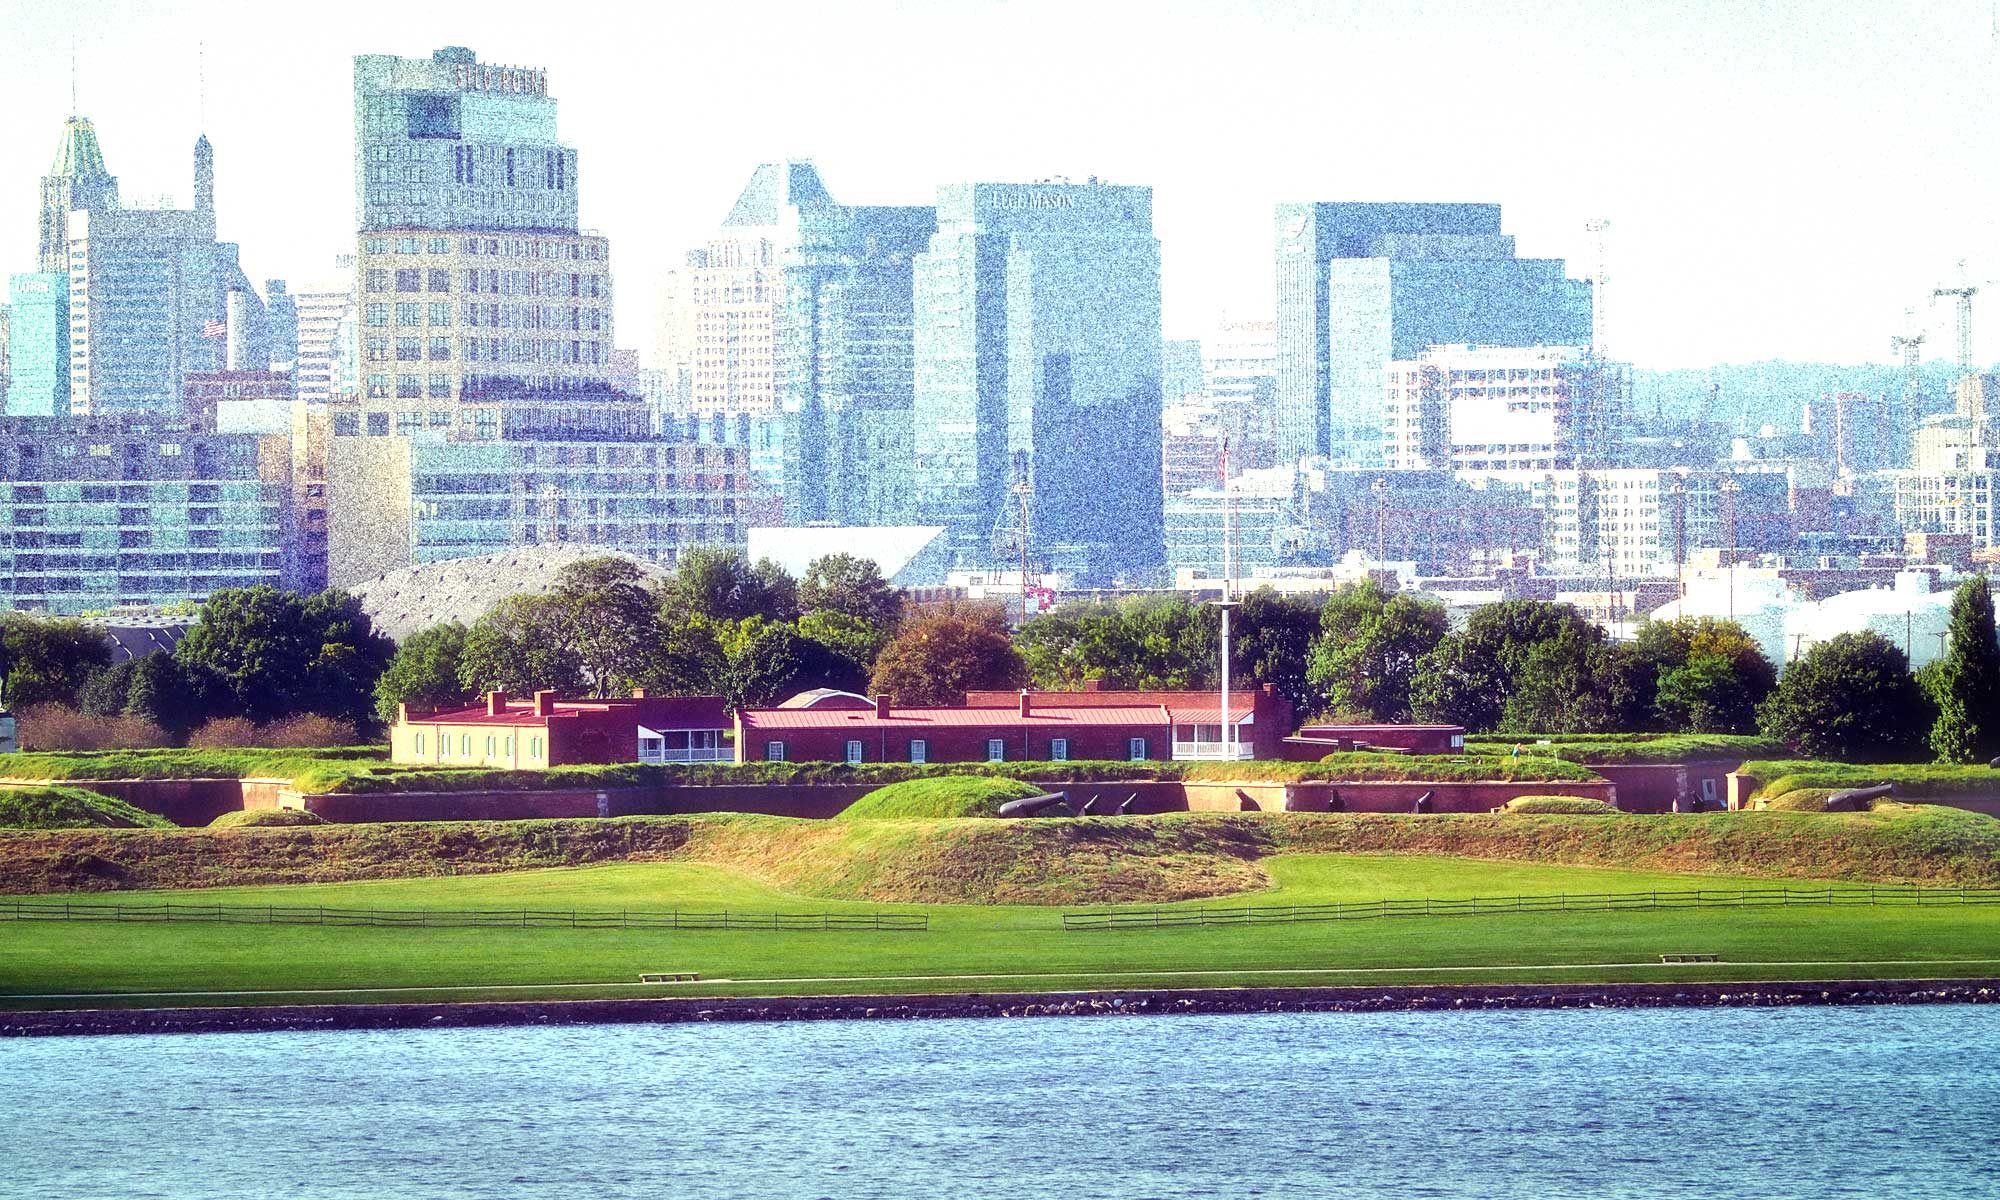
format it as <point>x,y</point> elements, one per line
<point>968,947</point>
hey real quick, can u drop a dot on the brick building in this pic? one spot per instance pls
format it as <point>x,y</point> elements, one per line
<point>1032,729</point>
<point>548,732</point>
<point>1262,717</point>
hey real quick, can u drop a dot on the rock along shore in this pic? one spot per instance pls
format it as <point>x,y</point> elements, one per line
<point>995,1004</point>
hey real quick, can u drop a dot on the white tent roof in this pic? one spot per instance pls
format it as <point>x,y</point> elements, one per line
<point>892,548</point>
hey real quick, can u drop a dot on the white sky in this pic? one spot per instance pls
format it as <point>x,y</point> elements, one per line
<point>1783,179</point>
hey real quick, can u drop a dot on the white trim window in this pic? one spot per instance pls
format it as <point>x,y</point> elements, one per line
<point>774,752</point>
<point>996,749</point>
<point>920,751</point>
<point>1058,749</point>
<point>1136,748</point>
<point>853,752</point>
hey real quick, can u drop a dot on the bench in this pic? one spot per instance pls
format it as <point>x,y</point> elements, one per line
<point>669,977</point>
<point>1690,958</point>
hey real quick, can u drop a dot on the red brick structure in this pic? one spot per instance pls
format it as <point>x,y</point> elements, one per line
<point>1262,717</point>
<point>551,732</point>
<point>1319,740</point>
<point>1034,728</point>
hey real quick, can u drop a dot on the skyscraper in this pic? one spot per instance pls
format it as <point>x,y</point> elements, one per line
<point>1038,368</point>
<point>1360,285</point>
<point>38,345</point>
<point>76,180</point>
<point>486,413</point>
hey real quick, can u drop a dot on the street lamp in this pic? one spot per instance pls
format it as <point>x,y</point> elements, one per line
<point>1228,727</point>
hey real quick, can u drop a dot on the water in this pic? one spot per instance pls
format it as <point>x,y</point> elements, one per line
<point>1874,1102</point>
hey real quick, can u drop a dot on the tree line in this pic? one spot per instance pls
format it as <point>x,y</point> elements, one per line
<point>751,633</point>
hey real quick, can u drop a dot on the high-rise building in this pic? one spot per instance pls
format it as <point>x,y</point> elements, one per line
<point>151,293</point>
<point>1180,370</point>
<point>78,180</point>
<point>1493,408</point>
<point>1038,368</point>
<point>1362,285</point>
<point>486,411</point>
<point>38,345</point>
<point>320,312</point>
<point>1240,359</point>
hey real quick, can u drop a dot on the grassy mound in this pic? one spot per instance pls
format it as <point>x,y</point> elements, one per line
<point>1090,860</point>
<point>1567,806</point>
<point>1619,749</point>
<point>266,818</point>
<point>71,808</point>
<point>946,796</point>
<point>1928,781</point>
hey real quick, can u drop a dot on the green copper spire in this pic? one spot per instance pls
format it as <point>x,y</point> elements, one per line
<point>79,153</point>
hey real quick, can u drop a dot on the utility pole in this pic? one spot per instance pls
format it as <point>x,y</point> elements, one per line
<point>1680,538</point>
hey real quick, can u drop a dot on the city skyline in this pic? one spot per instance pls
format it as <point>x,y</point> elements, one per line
<point>1781,184</point>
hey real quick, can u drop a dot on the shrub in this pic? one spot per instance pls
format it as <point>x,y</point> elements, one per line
<point>59,727</point>
<point>71,808</point>
<point>266,818</point>
<point>307,731</point>
<point>224,733</point>
<point>948,796</point>
<point>1569,806</point>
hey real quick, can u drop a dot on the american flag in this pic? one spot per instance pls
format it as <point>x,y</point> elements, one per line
<point>213,328</point>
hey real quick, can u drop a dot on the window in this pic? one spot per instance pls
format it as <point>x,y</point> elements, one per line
<point>409,387</point>
<point>378,280</point>
<point>406,245</point>
<point>1136,749</point>
<point>920,751</point>
<point>853,752</point>
<point>441,315</point>
<point>996,750</point>
<point>507,746</point>
<point>1058,749</point>
<point>409,314</point>
<point>489,745</point>
<point>439,387</point>
<point>378,386</point>
<point>440,246</point>
<point>410,280</point>
<point>774,752</point>
<point>465,745</point>
<point>378,424</point>
<point>534,747</point>
<point>440,349</point>
<point>420,743</point>
<point>378,314</point>
<point>347,424</point>
<point>409,349</point>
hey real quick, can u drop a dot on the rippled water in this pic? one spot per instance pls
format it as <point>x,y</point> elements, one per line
<point>1877,1102</point>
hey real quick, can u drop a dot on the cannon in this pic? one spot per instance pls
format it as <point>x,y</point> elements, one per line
<point>1048,804</point>
<point>1126,806</point>
<point>1423,804</point>
<point>1858,798</point>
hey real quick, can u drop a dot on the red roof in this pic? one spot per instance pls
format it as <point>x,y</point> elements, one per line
<point>913,718</point>
<point>1185,707</point>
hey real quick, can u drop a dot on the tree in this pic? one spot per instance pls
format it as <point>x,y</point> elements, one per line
<point>1271,641</point>
<point>722,586</point>
<point>518,646</point>
<point>425,672</point>
<point>1146,643</point>
<point>1369,646</point>
<point>47,660</point>
<point>1718,696</point>
<point>1964,682</point>
<point>1468,678</point>
<point>853,587</point>
<point>608,618</point>
<point>941,653</point>
<point>855,639</point>
<point>770,660</point>
<point>268,654</point>
<point>1851,698</point>
<point>155,688</point>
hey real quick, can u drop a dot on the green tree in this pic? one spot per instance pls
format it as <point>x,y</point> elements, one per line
<point>1851,698</point>
<point>1468,678</point>
<point>1964,682</point>
<point>608,617</point>
<point>166,693</point>
<point>520,646</point>
<point>856,639</point>
<point>1370,644</point>
<point>47,660</point>
<point>1722,694</point>
<point>425,672</point>
<point>768,661</point>
<point>1158,642</point>
<point>268,654</point>
<point>942,652</point>
<point>722,585</point>
<point>1271,641</point>
<point>853,587</point>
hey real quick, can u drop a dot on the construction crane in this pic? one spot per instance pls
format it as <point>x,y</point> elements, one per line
<point>1598,322</point>
<point>1911,346</point>
<point>1963,293</point>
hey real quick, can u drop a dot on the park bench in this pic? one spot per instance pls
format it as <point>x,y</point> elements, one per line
<point>1690,958</point>
<point>670,977</point>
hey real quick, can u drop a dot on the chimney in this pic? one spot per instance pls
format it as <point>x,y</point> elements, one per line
<point>1024,702</point>
<point>882,708</point>
<point>545,704</point>
<point>402,713</point>
<point>496,704</point>
<point>638,693</point>
<point>1093,685</point>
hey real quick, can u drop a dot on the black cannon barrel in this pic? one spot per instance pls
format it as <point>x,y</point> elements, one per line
<point>1038,806</point>
<point>1860,796</point>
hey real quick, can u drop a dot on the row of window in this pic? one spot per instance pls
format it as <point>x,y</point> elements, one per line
<point>996,750</point>
<point>512,247</point>
<point>504,745</point>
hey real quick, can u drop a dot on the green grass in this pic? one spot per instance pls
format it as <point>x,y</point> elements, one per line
<point>266,818</point>
<point>1920,781</point>
<point>1574,806</point>
<point>71,808</point>
<point>945,796</point>
<point>991,948</point>
<point>1621,749</point>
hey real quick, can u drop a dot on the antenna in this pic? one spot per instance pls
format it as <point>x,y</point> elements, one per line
<point>1598,323</point>
<point>72,77</point>
<point>201,86</point>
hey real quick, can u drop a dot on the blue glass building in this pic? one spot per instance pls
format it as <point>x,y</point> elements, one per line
<point>38,316</point>
<point>1361,285</point>
<point>1038,364</point>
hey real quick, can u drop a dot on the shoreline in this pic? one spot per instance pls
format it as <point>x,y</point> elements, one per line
<point>982,1005</point>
